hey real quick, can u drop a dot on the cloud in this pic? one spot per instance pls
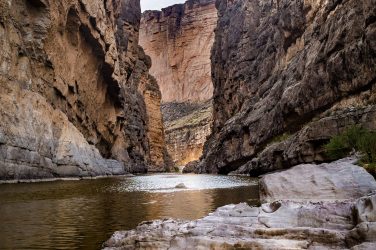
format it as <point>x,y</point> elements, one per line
<point>158,4</point>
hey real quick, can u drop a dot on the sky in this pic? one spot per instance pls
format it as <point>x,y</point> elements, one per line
<point>158,4</point>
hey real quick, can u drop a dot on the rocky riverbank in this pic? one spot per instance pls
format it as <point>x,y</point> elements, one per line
<point>335,210</point>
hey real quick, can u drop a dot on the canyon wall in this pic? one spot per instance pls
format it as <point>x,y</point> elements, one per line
<point>70,99</point>
<point>288,76</point>
<point>179,39</point>
<point>187,125</point>
<point>159,157</point>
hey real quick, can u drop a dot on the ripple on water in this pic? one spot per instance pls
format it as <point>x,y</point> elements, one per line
<point>83,214</point>
<point>166,183</point>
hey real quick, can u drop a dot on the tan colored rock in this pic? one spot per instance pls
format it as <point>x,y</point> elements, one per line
<point>159,158</point>
<point>187,126</point>
<point>81,59</point>
<point>44,144</point>
<point>179,40</point>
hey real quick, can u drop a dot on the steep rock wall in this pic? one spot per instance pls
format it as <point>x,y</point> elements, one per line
<point>187,125</point>
<point>69,78</point>
<point>179,39</point>
<point>304,68</point>
<point>159,156</point>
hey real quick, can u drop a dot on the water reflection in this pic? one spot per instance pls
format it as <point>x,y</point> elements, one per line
<point>82,214</point>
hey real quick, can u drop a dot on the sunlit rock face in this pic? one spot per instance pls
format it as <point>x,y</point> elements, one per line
<point>179,39</point>
<point>187,125</point>
<point>159,157</point>
<point>288,76</point>
<point>69,87</point>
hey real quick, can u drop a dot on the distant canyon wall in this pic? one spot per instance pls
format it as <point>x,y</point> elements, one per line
<point>187,126</point>
<point>288,76</point>
<point>179,40</point>
<point>70,97</point>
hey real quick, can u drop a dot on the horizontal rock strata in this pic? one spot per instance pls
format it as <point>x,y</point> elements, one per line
<point>187,126</point>
<point>179,39</point>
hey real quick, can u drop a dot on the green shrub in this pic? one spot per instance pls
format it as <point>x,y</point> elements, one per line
<point>367,145</point>
<point>357,139</point>
<point>176,169</point>
<point>338,147</point>
<point>341,145</point>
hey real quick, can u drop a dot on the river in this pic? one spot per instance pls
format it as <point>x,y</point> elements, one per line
<point>83,214</point>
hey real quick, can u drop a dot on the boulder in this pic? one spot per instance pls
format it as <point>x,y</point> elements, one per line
<point>339,180</point>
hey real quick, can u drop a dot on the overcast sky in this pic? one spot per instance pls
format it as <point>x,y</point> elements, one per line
<point>158,4</point>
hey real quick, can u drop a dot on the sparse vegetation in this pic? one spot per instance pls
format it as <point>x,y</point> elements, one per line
<point>280,138</point>
<point>355,139</point>
<point>176,169</point>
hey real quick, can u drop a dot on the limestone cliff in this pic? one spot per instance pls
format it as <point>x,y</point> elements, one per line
<point>288,75</point>
<point>159,156</point>
<point>179,39</point>
<point>187,125</point>
<point>69,89</point>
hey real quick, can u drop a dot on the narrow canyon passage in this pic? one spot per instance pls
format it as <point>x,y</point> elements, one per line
<point>179,40</point>
<point>81,99</point>
<point>188,124</point>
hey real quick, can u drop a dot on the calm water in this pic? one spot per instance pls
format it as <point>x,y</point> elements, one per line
<point>83,214</point>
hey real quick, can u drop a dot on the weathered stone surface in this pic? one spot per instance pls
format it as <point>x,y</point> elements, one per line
<point>338,180</point>
<point>44,144</point>
<point>305,146</point>
<point>279,65</point>
<point>191,167</point>
<point>179,39</point>
<point>187,127</point>
<point>278,225</point>
<point>79,65</point>
<point>159,157</point>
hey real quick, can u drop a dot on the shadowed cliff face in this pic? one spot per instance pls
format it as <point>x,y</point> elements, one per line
<point>179,39</point>
<point>305,69</point>
<point>69,78</point>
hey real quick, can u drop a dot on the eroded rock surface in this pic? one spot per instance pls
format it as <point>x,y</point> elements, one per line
<point>159,157</point>
<point>278,225</point>
<point>179,39</point>
<point>187,125</point>
<point>300,68</point>
<point>69,88</point>
<point>328,206</point>
<point>340,180</point>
